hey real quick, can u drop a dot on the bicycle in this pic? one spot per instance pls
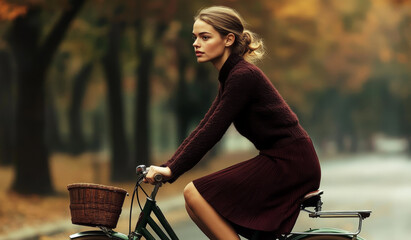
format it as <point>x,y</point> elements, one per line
<point>166,232</point>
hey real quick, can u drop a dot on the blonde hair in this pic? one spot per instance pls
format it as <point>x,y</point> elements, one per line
<point>226,20</point>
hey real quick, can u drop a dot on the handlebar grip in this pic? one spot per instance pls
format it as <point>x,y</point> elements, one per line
<point>158,178</point>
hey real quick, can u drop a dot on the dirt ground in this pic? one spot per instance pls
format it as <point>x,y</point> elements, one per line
<point>20,211</point>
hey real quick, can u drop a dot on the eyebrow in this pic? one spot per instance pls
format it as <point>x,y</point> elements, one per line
<point>202,33</point>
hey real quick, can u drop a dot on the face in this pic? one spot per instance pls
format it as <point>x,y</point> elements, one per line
<point>209,45</point>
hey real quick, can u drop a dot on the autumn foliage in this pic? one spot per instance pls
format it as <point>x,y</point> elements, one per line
<point>343,66</point>
<point>10,11</point>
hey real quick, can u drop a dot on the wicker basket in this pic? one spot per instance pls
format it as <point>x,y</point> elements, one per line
<point>95,205</point>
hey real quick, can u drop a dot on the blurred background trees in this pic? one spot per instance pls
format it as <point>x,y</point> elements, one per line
<point>120,77</point>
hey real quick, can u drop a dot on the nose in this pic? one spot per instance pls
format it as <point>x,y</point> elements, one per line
<point>195,44</point>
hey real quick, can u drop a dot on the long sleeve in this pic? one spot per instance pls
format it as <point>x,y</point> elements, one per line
<point>235,95</point>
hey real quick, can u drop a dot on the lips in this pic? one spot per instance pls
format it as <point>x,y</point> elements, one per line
<point>199,53</point>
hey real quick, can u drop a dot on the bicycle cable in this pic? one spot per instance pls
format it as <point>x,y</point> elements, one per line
<point>131,207</point>
<point>135,193</point>
<point>138,198</point>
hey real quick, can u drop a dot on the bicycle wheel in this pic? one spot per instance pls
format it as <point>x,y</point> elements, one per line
<point>96,237</point>
<point>326,237</point>
<point>93,238</point>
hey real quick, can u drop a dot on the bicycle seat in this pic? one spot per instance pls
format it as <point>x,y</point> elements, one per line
<point>312,199</point>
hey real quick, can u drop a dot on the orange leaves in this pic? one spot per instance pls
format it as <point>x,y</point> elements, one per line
<point>343,39</point>
<point>401,2</point>
<point>301,9</point>
<point>10,11</point>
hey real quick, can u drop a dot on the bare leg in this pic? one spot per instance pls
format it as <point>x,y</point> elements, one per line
<point>206,218</point>
<point>197,221</point>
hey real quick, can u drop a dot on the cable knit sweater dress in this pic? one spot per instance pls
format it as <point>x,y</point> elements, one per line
<point>262,193</point>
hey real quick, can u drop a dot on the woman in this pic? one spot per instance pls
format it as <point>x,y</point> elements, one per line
<point>262,193</point>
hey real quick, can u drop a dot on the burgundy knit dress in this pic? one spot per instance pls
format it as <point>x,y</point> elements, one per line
<point>262,193</point>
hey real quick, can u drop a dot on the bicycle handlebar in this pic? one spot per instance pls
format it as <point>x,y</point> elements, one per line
<point>142,170</point>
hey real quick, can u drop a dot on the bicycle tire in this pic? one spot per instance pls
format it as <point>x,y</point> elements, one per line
<point>93,238</point>
<point>97,237</point>
<point>326,237</point>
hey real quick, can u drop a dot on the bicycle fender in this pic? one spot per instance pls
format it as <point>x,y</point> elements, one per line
<point>331,231</point>
<point>113,235</point>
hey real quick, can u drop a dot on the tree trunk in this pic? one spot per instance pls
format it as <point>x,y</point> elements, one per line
<point>142,136</point>
<point>6,109</point>
<point>53,136</point>
<point>120,170</point>
<point>77,142</point>
<point>31,165</point>
<point>97,133</point>
<point>142,128</point>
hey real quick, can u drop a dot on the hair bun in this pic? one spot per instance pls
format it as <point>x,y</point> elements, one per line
<point>247,38</point>
<point>252,47</point>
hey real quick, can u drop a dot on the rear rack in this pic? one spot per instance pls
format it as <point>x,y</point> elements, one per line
<point>314,200</point>
<point>363,214</point>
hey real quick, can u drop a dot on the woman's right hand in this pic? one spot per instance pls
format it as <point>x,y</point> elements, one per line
<point>155,170</point>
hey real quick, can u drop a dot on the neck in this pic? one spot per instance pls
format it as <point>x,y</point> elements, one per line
<point>218,63</point>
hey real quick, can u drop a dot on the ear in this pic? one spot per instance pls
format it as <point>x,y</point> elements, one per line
<point>229,40</point>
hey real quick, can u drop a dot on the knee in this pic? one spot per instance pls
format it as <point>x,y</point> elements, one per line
<point>190,192</point>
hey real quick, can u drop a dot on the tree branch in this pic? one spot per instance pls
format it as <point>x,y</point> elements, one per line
<point>56,35</point>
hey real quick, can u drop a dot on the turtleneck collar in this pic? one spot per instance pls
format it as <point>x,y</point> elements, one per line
<point>231,61</point>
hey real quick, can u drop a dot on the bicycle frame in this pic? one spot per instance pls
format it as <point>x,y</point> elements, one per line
<point>145,218</point>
